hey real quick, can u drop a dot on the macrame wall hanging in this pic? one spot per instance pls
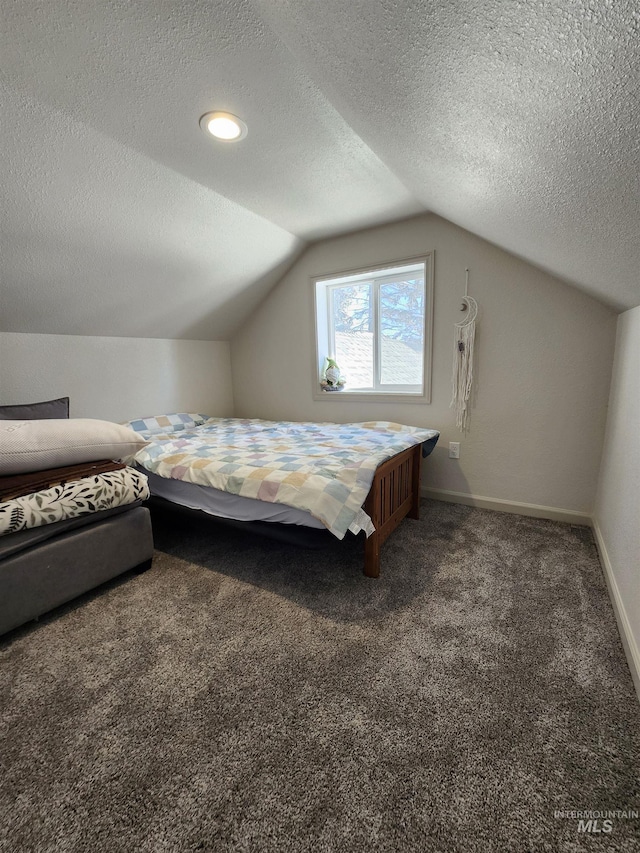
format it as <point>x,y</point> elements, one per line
<point>464,336</point>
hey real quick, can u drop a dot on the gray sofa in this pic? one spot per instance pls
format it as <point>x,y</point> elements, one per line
<point>47,566</point>
<point>44,567</point>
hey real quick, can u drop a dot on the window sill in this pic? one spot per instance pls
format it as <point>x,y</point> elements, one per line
<point>367,397</point>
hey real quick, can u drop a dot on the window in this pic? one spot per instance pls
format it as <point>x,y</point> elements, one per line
<point>375,324</point>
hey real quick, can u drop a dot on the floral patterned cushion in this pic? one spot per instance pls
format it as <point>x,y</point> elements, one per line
<point>72,499</point>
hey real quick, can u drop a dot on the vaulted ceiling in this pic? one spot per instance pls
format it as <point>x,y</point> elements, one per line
<point>518,120</point>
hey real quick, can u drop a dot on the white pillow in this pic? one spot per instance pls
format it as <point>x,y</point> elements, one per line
<point>37,445</point>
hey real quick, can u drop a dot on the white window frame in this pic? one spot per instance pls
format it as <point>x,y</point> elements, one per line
<point>322,287</point>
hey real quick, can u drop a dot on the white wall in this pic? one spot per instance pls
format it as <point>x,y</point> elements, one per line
<point>617,509</point>
<point>117,378</point>
<point>544,352</point>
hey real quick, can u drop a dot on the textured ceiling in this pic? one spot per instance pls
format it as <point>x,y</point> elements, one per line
<point>519,121</point>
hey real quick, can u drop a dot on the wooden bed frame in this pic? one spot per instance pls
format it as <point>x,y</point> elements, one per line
<point>394,493</point>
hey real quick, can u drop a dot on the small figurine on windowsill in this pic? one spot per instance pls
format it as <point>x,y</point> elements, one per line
<point>331,378</point>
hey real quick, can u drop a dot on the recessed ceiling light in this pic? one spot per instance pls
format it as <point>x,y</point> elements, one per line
<point>224,126</point>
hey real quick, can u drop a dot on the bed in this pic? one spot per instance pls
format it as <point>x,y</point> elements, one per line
<point>345,478</point>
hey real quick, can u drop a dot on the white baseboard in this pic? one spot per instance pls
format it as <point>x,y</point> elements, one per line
<point>624,627</point>
<point>534,510</point>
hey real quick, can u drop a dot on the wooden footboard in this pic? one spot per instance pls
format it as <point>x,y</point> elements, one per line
<point>394,493</point>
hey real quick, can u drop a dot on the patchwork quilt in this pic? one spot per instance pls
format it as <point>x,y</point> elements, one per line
<point>325,469</point>
<point>72,498</point>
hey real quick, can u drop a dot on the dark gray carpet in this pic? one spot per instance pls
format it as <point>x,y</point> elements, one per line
<point>246,695</point>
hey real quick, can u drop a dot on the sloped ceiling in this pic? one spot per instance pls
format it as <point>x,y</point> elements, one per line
<point>519,121</point>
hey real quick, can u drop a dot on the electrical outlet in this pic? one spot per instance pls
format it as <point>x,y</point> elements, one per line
<point>454,450</point>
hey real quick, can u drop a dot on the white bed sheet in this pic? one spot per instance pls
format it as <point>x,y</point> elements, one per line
<point>226,505</point>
